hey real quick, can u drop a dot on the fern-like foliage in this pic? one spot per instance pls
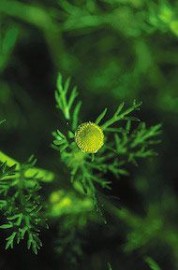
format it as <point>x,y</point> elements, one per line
<point>21,205</point>
<point>65,101</point>
<point>123,142</point>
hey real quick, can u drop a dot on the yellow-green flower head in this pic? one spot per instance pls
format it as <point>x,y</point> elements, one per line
<point>89,137</point>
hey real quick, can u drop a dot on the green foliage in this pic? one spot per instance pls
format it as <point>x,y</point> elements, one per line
<point>73,212</point>
<point>8,38</point>
<point>152,264</point>
<point>21,205</point>
<point>123,144</point>
<point>63,103</point>
<point>115,50</point>
<point>69,203</point>
<point>144,230</point>
<point>136,144</point>
<point>20,184</point>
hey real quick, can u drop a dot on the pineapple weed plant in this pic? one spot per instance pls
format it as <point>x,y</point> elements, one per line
<point>89,150</point>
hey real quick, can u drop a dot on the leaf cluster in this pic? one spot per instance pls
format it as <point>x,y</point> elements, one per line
<point>21,205</point>
<point>123,143</point>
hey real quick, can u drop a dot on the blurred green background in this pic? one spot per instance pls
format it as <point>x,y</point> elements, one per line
<point>114,50</point>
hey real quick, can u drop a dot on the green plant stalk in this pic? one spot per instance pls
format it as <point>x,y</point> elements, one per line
<point>43,175</point>
<point>118,117</point>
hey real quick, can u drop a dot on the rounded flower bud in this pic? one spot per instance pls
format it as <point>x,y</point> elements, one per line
<point>89,137</point>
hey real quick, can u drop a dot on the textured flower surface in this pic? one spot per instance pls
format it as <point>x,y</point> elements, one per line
<point>89,137</point>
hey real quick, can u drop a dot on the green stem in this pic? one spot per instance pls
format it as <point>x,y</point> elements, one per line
<point>116,117</point>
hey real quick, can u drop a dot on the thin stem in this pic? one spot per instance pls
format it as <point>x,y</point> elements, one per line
<point>119,117</point>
